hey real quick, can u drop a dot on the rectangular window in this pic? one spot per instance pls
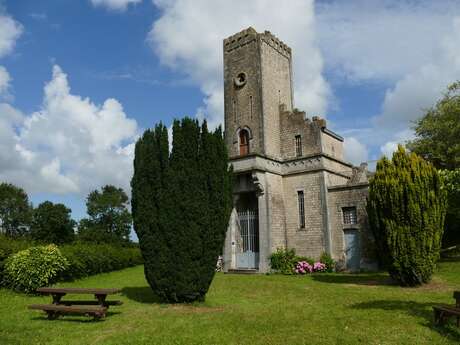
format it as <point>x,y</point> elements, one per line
<point>298,145</point>
<point>301,201</point>
<point>349,215</point>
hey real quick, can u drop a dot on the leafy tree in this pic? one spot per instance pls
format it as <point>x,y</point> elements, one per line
<point>15,210</point>
<point>438,131</point>
<point>406,209</point>
<point>452,228</point>
<point>438,140</point>
<point>181,204</point>
<point>52,223</point>
<point>109,218</point>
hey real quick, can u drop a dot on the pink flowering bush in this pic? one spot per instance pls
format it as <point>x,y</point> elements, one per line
<point>303,267</point>
<point>319,267</point>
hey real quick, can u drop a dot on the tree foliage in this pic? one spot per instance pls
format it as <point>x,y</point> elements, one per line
<point>452,225</point>
<point>15,210</point>
<point>438,131</point>
<point>52,223</point>
<point>109,219</point>
<point>406,209</point>
<point>181,204</point>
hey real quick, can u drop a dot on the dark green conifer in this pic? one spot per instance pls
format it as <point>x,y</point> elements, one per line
<point>406,209</point>
<point>181,203</point>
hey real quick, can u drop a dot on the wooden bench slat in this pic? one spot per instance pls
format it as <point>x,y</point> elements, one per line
<point>451,311</point>
<point>70,302</point>
<point>65,308</point>
<point>48,290</point>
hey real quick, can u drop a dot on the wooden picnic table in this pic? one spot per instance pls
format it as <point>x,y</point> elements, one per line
<point>443,312</point>
<point>96,308</point>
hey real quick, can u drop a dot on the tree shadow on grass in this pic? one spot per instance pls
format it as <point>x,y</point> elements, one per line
<point>357,279</point>
<point>141,294</point>
<point>417,309</point>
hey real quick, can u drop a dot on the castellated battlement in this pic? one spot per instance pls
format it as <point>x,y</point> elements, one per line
<point>299,115</point>
<point>248,35</point>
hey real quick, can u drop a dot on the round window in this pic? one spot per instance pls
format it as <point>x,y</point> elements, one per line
<point>240,80</point>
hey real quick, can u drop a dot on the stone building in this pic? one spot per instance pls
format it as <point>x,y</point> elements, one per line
<point>293,188</point>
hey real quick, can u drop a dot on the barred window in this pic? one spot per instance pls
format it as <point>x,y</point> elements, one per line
<point>349,215</point>
<point>301,201</point>
<point>298,146</point>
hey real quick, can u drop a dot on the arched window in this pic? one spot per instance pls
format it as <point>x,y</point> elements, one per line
<point>244,142</point>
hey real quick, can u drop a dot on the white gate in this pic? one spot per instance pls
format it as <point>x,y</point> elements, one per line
<point>248,249</point>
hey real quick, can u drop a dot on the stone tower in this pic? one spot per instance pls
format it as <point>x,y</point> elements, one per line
<point>257,80</point>
<point>293,188</point>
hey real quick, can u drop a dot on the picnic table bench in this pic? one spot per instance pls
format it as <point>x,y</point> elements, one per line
<point>96,308</point>
<point>442,312</point>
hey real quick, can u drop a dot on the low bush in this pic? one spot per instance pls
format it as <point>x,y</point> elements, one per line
<point>326,259</point>
<point>286,261</point>
<point>283,261</point>
<point>33,268</point>
<point>86,259</point>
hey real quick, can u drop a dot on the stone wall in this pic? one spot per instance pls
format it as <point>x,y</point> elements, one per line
<point>276,88</point>
<point>308,241</point>
<point>349,196</point>
<point>276,211</point>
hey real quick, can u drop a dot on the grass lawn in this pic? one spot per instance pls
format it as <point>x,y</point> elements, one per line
<point>239,309</point>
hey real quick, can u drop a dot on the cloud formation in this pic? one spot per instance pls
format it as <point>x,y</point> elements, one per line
<point>354,151</point>
<point>10,30</point>
<point>186,35</point>
<point>4,81</point>
<point>413,47</point>
<point>70,146</point>
<point>115,5</point>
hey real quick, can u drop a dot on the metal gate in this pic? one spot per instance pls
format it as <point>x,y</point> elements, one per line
<point>247,255</point>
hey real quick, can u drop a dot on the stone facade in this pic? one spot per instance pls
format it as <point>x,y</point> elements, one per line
<point>293,187</point>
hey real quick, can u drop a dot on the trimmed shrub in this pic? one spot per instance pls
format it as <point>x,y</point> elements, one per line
<point>86,259</point>
<point>406,208</point>
<point>33,268</point>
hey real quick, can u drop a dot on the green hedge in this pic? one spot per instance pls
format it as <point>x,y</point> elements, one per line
<point>8,247</point>
<point>86,259</point>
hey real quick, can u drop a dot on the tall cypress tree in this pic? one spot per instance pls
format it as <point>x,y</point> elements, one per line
<point>181,205</point>
<point>406,209</point>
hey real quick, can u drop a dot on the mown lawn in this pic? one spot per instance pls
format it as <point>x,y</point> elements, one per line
<point>261,309</point>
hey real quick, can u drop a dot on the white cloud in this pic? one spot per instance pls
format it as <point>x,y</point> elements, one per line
<point>354,151</point>
<point>420,89</point>
<point>4,81</point>
<point>410,47</point>
<point>382,39</point>
<point>116,5</point>
<point>391,146</point>
<point>10,30</point>
<point>70,146</point>
<point>188,36</point>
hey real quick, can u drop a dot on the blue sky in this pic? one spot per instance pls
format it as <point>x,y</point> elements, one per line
<point>80,80</point>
